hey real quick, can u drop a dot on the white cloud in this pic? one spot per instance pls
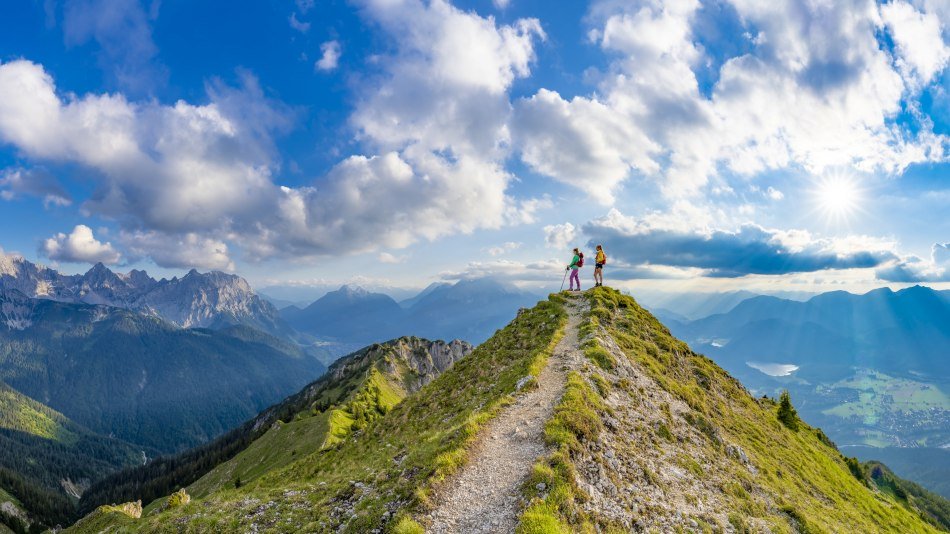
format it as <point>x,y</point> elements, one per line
<point>435,136</point>
<point>560,236</point>
<point>503,248</point>
<point>36,182</point>
<point>912,269</point>
<point>774,194</point>
<point>80,246</point>
<point>815,90</point>
<point>386,257</point>
<point>501,4</point>
<point>189,250</point>
<point>918,38</point>
<point>300,26</point>
<point>330,57</point>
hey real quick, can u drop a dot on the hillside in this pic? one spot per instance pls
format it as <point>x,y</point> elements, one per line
<point>140,378</point>
<point>355,390</point>
<point>45,459</point>
<point>646,435</point>
<point>870,369</point>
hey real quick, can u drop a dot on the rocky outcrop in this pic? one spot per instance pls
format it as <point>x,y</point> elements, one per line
<point>16,310</point>
<point>131,509</point>
<point>425,359</point>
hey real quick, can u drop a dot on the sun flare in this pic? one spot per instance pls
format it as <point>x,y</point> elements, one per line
<point>837,197</point>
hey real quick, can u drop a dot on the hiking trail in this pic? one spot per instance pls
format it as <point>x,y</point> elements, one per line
<point>485,496</point>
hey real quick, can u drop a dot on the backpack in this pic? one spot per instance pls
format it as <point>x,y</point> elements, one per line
<point>580,262</point>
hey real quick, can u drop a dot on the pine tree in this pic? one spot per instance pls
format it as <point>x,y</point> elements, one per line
<point>786,412</point>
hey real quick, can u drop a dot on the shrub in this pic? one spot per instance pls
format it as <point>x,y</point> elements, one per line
<point>786,412</point>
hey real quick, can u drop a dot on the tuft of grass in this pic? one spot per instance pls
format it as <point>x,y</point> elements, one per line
<point>406,525</point>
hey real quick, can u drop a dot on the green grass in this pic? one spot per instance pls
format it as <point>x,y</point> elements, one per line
<point>390,467</point>
<point>556,508</point>
<point>17,412</point>
<point>802,474</point>
<point>371,394</point>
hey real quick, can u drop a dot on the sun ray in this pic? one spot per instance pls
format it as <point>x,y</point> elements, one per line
<point>838,198</point>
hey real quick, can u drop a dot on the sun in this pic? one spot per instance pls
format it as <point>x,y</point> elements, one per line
<point>838,197</point>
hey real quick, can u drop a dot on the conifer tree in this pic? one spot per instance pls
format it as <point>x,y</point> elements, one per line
<point>786,412</point>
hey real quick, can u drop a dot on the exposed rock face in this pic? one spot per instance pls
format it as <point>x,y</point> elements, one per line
<point>131,509</point>
<point>429,359</point>
<point>16,310</point>
<point>212,299</point>
<point>425,359</point>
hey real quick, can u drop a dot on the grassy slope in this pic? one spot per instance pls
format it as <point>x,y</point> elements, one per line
<point>306,433</point>
<point>39,447</point>
<point>803,483</point>
<point>934,508</point>
<point>388,469</point>
<point>20,413</point>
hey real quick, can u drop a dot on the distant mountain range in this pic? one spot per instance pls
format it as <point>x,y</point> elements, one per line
<point>470,309</point>
<point>139,377</point>
<point>211,300</point>
<point>904,332</point>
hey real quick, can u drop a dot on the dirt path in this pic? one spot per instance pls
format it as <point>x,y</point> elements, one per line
<point>485,496</point>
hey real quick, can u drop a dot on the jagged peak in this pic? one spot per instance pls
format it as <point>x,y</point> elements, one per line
<point>354,290</point>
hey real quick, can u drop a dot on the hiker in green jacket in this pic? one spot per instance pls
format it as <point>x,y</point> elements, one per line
<point>576,263</point>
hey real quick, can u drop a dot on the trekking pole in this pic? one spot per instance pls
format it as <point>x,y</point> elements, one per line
<point>562,280</point>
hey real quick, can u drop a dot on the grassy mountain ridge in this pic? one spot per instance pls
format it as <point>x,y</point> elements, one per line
<point>648,435</point>
<point>355,389</point>
<point>670,441</point>
<point>376,474</point>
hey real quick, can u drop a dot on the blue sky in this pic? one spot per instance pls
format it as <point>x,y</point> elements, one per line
<point>708,145</point>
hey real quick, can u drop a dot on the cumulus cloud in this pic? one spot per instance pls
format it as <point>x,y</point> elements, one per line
<point>559,236</point>
<point>37,182</point>
<point>330,55</point>
<point>433,127</point>
<point>774,194</point>
<point>813,87</point>
<point>749,249</point>
<point>918,38</point>
<point>79,246</point>
<point>913,269</point>
<point>189,250</point>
